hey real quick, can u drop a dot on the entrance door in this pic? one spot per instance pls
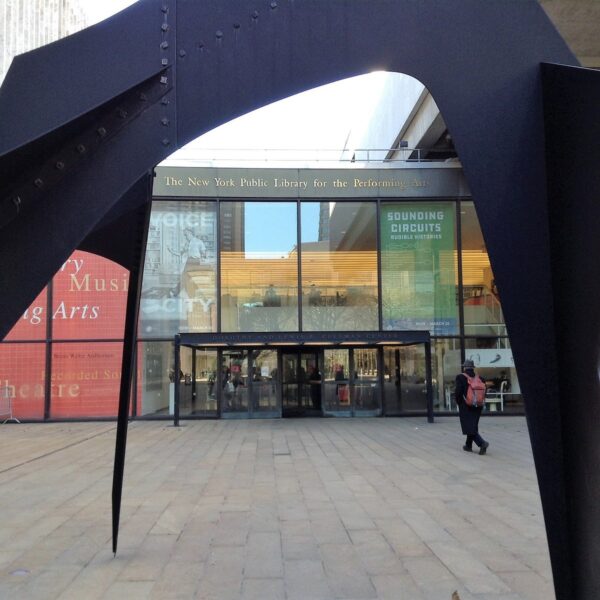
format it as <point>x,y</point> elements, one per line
<point>249,383</point>
<point>405,387</point>
<point>234,383</point>
<point>264,384</point>
<point>364,387</point>
<point>301,383</point>
<point>351,386</point>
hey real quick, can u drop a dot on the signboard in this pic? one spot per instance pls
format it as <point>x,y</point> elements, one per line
<point>422,181</point>
<point>418,269</point>
<point>180,270</point>
<point>496,357</point>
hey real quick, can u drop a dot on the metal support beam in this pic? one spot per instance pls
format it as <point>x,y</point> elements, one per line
<point>127,364</point>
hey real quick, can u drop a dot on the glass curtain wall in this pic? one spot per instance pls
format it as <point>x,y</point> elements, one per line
<point>62,358</point>
<point>486,340</point>
<point>179,288</point>
<point>419,275</point>
<point>259,266</point>
<point>339,266</point>
<point>156,378</point>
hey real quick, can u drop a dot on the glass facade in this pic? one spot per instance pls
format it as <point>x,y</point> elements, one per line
<point>84,379</point>
<point>481,301</point>
<point>179,291</point>
<point>259,266</point>
<point>339,266</point>
<point>23,381</point>
<point>418,267</point>
<point>320,265</point>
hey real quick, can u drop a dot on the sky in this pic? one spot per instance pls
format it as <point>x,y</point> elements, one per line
<point>301,127</point>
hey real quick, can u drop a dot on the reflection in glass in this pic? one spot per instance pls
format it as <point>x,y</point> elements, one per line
<point>291,382</point>
<point>495,363</point>
<point>234,380</point>
<point>89,296</point>
<point>405,388</point>
<point>32,324</point>
<point>365,385</point>
<point>179,286</point>
<point>156,378</point>
<point>339,266</point>
<point>418,267</point>
<point>264,381</point>
<point>86,379</point>
<point>336,380</point>
<point>197,384</point>
<point>481,300</point>
<point>23,380</point>
<point>259,266</point>
<point>446,361</point>
<point>301,384</point>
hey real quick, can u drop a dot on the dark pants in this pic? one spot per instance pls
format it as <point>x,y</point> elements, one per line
<point>474,438</point>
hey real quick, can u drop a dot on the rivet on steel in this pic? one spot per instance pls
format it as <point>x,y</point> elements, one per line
<point>236,25</point>
<point>101,131</point>
<point>164,62</point>
<point>122,113</point>
<point>182,53</point>
<point>60,165</point>
<point>164,45</point>
<point>255,14</point>
<point>143,97</point>
<point>165,8</point>
<point>165,142</point>
<point>164,80</point>
<point>273,5</point>
<point>81,148</point>
<point>165,27</point>
<point>219,34</point>
<point>39,183</point>
<point>164,101</point>
<point>17,202</point>
<point>164,121</point>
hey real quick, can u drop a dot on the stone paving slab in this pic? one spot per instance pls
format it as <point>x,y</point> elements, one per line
<point>308,509</point>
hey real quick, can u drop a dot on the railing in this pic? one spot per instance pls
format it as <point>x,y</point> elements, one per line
<point>334,155</point>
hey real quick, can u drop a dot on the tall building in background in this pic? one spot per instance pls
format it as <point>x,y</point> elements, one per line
<point>29,24</point>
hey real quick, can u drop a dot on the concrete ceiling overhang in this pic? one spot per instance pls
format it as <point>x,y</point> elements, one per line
<point>578,21</point>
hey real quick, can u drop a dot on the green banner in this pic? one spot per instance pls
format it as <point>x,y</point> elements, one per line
<point>419,279</point>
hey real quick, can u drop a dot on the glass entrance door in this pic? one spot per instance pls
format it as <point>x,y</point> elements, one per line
<point>234,383</point>
<point>351,384</point>
<point>264,384</point>
<point>364,387</point>
<point>405,379</point>
<point>249,384</point>
<point>204,382</point>
<point>301,383</point>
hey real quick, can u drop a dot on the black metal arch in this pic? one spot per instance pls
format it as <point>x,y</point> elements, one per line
<point>85,120</point>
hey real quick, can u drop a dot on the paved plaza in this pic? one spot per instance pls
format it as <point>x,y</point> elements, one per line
<point>272,509</point>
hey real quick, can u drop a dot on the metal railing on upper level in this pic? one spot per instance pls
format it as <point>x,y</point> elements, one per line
<point>312,155</point>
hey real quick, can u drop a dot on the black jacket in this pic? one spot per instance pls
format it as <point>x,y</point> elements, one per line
<point>469,415</point>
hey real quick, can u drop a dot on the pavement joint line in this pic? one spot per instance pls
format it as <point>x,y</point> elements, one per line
<point>41,456</point>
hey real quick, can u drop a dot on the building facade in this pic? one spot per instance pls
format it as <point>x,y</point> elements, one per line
<point>354,291</point>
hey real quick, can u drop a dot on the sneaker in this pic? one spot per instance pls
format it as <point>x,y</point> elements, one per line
<point>467,448</point>
<point>483,448</point>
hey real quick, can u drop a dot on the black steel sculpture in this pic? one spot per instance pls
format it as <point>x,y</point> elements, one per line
<point>84,121</point>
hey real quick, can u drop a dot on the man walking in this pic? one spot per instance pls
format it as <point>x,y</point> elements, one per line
<point>467,388</point>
